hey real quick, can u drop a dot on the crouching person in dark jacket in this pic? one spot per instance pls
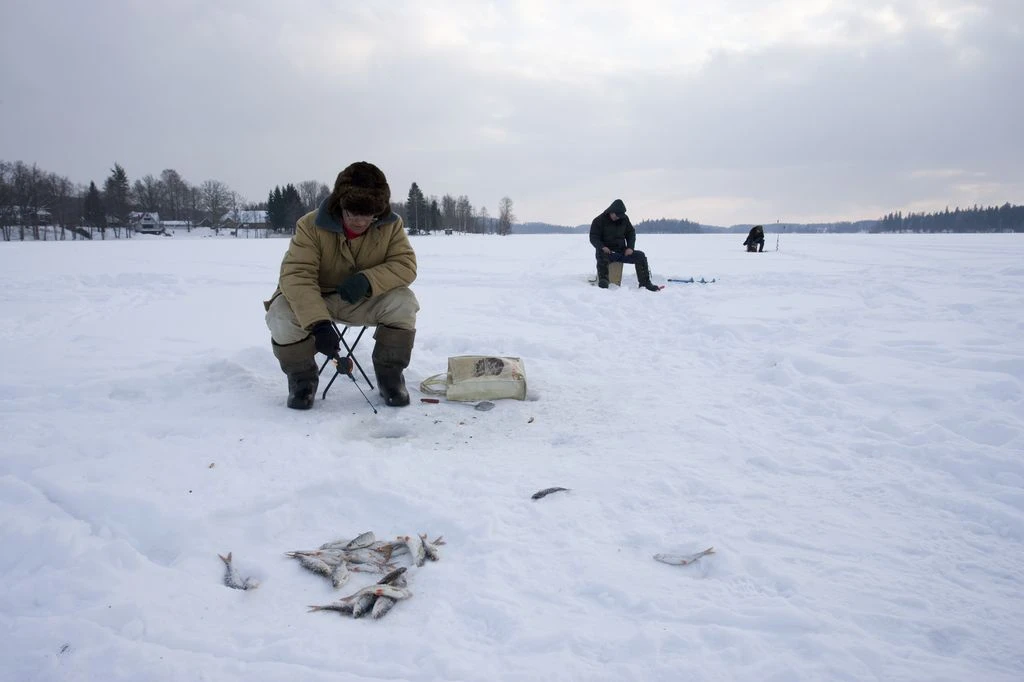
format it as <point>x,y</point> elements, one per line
<point>755,239</point>
<point>613,238</point>
<point>350,260</point>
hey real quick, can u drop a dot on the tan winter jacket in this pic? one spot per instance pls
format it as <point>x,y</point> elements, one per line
<point>320,257</point>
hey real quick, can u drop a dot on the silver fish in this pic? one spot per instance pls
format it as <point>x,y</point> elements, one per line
<point>362,540</point>
<point>547,491</point>
<point>430,547</point>
<point>379,591</point>
<point>344,609</point>
<point>316,565</point>
<point>382,606</point>
<point>363,605</point>
<point>358,542</point>
<point>367,555</point>
<point>416,548</point>
<point>682,559</point>
<point>340,574</point>
<point>394,577</point>
<point>233,579</point>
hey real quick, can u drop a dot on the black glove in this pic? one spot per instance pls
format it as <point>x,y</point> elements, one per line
<point>326,338</point>
<point>354,288</point>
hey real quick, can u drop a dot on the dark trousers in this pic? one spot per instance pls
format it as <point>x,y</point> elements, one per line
<point>637,258</point>
<point>756,246</point>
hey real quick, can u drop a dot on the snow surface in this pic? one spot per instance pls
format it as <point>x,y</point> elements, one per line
<point>843,420</point>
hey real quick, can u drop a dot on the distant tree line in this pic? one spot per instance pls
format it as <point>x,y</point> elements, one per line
<point>32,199</point>
<point>424,215</point>
<point>1005,218</point>
<point>668,226</point>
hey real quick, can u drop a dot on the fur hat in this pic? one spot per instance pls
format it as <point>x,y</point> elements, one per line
<point>361,189</point>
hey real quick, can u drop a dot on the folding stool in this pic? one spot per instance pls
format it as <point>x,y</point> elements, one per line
<point>349,352</point>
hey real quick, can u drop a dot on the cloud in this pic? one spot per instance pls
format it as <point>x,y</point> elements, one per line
<point>733,111</point>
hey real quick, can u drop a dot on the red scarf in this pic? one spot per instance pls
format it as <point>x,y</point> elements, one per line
<point>350,234</point>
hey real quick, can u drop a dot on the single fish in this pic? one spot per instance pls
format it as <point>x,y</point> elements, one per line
<point>682,559</point>
<point>363,605</point>
<point>379,591</point>
<point>398,547</point>
<point>416,548</point>
<point>547,491</point>
<point>393,577</point>
<point>430,546</point>
<point>316,565</point>
<point>340,574</point>
<point>233,579</point>
<point>362,540</point>
<point>358,542</point>
<point>368,555</point>
<point>381,606</point>
<point>343,609</point>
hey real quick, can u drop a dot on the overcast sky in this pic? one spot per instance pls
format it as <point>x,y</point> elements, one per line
<point>732,111</point>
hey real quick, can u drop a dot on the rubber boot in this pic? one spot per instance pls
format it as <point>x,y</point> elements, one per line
<point>297,361</point>
<point>391,355</point>
<point>643,276</point>
<point>602,269</point>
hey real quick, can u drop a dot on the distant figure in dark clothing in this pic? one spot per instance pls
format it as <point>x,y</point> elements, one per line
<point>613,238</point>
<point>755,239</point>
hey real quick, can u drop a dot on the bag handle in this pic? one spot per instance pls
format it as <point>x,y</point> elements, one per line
<point>435,385</point>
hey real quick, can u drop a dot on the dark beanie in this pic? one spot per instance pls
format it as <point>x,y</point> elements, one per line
<point>617,207</point>
<point>362,189</point>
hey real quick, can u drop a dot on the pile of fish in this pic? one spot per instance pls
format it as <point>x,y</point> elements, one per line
<point>376,600</point>
<point>339,559</point>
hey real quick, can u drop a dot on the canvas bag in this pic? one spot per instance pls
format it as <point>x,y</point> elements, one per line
<point>479,377</point>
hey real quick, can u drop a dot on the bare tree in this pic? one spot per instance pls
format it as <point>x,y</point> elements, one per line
<point>464,214</point>
<point>27,183</point>
<point>216,199</point>
<point>448,212</point>
<point>312,193</point>
<point>176,195</point>
<point>195,202</point>
<point>483,221</point>
<point>149,194</point>
<point>7,204</point>
<point>64,201</point>
<point>505,216</point>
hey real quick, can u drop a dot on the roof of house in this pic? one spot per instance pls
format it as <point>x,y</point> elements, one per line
<point>245,216</point>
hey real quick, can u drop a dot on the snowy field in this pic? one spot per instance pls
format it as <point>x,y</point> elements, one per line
<point>842,420</point>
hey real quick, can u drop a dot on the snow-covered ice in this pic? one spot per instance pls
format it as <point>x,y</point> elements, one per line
<point>843,420</point>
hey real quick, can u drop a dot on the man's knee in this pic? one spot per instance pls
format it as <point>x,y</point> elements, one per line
<point>398,308</point>
<point>282,323</point>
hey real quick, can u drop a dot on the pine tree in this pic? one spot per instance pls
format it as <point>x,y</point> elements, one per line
<point>93,212</point>
<point>117,195</point>
<point>275,210</point>
<point>292,207</point>
<point>417,211</point>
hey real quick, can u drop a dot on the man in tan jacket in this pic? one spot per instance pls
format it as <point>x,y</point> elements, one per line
<point>351,261</point>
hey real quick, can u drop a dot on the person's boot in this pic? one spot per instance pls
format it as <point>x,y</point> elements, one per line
<point>297,361</point>
<point>643,276</point>
<point>602,270</point>
<point>391,355</point>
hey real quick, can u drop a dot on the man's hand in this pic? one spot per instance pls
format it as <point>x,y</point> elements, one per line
<point>628,251</point>
<point>326,338</point>
<point>606,249</point>
<point>354,288</point>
